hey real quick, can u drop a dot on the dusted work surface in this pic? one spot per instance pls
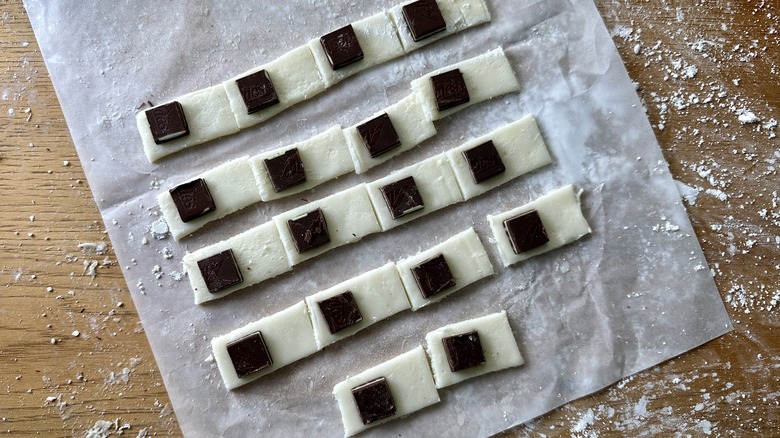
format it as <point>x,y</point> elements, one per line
<point>702,81</point>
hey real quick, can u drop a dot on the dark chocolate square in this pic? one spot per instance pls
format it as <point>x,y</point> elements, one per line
<point>340,311</point>
<point>258,91</point>
<point>286,170</point>
<point>220,271</point>
<point>342,47</point>
<point>484,162</point>
<point>449,89</point>
<point>249,354</point>
<point>374,400</point>
<point>379,135</point>
<point>402,197</point>
<point>309,231</point>
<point>463,351</point>
<point>433,276</point>
<point>167,122</point>
<point>424,19</point>
<point>526,231</point>
<point>192,199</point>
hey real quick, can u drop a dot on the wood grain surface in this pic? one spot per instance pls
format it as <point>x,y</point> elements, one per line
<point>73,353</point>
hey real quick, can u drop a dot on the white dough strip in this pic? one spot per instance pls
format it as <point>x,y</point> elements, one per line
<point>301,74</point>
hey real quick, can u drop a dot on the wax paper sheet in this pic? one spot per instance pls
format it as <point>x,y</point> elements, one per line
<point>632,294</point>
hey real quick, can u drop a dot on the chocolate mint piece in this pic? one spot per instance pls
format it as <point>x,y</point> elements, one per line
<point>433,276</point>
<point>340,311</point>
<point>526,231</point>
<point>402,197</point>
<point>379,135</point>
<point>342,47</point>
<point>258,91</point>
<point>167,122</point>
<point>424,19</point>
<point>449,89</point>
<point>249,354</point>
<point>374,400</point>
<point>309,231</point>
<point>220,271</point>
<point>484,161</point>
<point>192,199</point>
<point>286,170</point>
<point>463,351</point>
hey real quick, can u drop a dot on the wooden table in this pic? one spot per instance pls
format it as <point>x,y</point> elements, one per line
<point>73,353</point>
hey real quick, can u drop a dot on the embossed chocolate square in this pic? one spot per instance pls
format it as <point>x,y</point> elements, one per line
<point>484,161</point>
<point>192,199</point>
<point>374,400</point>
<point>309,231</point>
<point>220,271</point>
<point>258,91</point>
<point>340,311</point>
<point>286,170</point>
<point>249,354</point>
<point>449,89</point>
<point>167,122</point>
<point>379,135</point>
<point>423,18</point>
<point>463,351</point>
<point>433,276</point>
<point>402,197</point>
<point>342,47</point>
<point>526,231</point>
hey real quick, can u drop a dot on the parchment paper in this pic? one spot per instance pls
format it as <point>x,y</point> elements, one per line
<point>634,293</point>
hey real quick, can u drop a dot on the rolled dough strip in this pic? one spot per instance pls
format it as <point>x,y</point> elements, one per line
<point>288,337</point>
<point>498,346</point>
<point>410,123</point>
<point>208,116</point>
<point>378,295</point>
<point>486,76</point>
<point>561,216</point>
<point>325,156</point>
<point>378,40</point>
<point>295,78</point>
<point>458,15</point>
<point>409,379</point>
<point>520,147</point>
<point>259,255</point>
<point>232,186</point>
<point>466,258</point>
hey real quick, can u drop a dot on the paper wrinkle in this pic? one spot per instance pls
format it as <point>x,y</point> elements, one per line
<point>585,315</point>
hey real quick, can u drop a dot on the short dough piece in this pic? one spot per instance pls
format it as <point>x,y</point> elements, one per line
<point>288,337</point>
<point>561,216</point>
<point>411,385</point>
<point>458,15</point>
<point>466,257</point>
<point>498,345</point>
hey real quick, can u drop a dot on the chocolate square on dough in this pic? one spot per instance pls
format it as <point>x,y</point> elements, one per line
<point>484,162</point>
<point>342,47</point>
<point>286,170</point>
<point>220,271</point>
<point>379,135</point>
<point>258,91</point>
<point>433,276</point>
<point>463,351</point>
<point>167,122</point>
<point>449,89</point>
<point>526,231</point>
<point>402,197</point>
<point>192,199</point>
<point>249,354</point>
<point>340,311</point>
<point>374,400</point>
<point>423,18</point>
<point>309,231</point>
